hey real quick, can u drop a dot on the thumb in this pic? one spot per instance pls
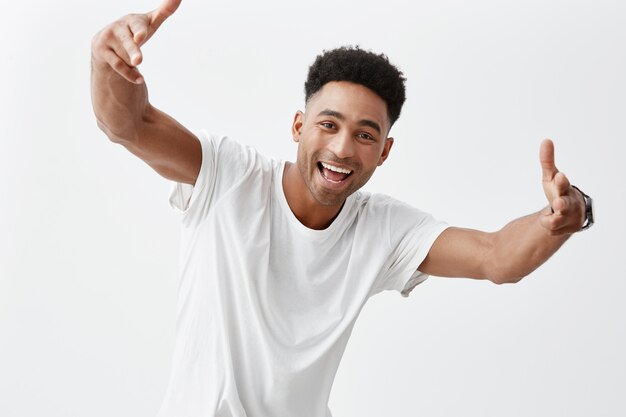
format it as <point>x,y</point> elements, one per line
<point>546,157</point>
<point>161,13</point>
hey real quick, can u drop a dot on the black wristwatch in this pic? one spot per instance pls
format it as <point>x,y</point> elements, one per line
<point>588,210</point>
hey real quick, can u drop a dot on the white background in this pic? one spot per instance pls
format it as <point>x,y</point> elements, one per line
<point>89,245</point>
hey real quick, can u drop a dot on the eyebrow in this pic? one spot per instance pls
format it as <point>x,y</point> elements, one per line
<point>362,122</point>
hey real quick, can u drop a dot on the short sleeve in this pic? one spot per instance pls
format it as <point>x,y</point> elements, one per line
<point>223,163</point>
<point>412,233</point>
<point>184,196</point>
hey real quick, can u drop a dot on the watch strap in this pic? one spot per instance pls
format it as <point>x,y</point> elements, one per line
<point>588,210</point>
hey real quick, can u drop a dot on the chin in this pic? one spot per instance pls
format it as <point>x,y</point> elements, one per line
<point>327,197</point>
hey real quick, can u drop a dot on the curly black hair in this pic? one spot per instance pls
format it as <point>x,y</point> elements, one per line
<point>356,65</point>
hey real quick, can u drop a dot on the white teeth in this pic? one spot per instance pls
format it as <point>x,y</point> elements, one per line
<point>336,169</point>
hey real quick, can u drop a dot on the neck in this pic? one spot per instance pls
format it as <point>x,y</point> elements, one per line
<point>307,209</point>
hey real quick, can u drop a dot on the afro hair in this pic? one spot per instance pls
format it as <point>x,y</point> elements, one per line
<point>366,68</point>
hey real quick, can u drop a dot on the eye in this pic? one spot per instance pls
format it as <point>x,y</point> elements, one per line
<point>328,125</point>
<point>365,136</point>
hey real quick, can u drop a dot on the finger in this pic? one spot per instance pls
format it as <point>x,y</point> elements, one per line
<point>570,205</point>
<point>555,224</point>
<point>131,74</point>
<point>561,184</point>
<point>138,26</point>
<point>559,206</point>
<point>546,156</point>
<point>165,10</point>
<point>125,47</point>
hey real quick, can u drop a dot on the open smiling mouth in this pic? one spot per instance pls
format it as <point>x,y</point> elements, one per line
<point>332,173</point>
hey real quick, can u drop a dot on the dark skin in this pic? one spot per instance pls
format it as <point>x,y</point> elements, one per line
<point>342,138</point>
<point>346,126</point>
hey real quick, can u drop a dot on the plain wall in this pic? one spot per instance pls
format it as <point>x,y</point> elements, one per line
<point>89,245</point>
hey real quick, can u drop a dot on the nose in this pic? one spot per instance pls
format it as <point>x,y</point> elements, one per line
<point>342,145</point>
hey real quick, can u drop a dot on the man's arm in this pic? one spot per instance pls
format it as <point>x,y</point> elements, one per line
<point>120,98</point>
<point>508,255</point>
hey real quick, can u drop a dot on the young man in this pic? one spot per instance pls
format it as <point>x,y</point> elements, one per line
<point>279,258</point>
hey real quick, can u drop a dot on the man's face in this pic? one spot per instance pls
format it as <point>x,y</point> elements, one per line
<point>342,138</point>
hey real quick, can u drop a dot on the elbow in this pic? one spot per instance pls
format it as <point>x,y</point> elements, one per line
<point>127,129</point>
<point>506,280</point>
<point>501,269</point>
<point>121,137</point>
<point>500,275</point>
<point>108,131</point>
<point>104,128</point>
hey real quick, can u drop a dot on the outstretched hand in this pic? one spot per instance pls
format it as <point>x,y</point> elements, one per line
<point>118,44</point>
<point>566,213</point>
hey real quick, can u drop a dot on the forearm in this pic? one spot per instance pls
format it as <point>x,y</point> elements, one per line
<point>119,105</point>
<point>522,246</point>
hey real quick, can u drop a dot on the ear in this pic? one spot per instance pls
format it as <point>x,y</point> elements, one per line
<point>296,127</point>
<point>386,150</point>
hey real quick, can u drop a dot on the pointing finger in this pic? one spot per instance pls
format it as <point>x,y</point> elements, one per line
<point>546,156</point>
<point>165,10</point>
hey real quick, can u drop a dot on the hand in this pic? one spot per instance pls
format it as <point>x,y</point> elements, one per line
<point>566,213</point>
<point>118,44</point>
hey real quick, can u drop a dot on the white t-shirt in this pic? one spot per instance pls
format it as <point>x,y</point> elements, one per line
<point>265,304</point>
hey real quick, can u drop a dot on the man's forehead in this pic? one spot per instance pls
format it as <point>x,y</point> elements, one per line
<point>350,100</point>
